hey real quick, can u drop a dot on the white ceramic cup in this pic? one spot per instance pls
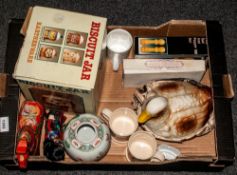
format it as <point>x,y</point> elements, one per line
<point>123,122</point>
<point>142,146</point>
<point>119,43</point>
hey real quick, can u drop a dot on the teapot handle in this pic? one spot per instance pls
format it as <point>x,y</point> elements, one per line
<point>106,114</point>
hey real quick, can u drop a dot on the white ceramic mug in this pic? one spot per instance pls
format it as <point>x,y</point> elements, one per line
<point>119,43</point>
<point>123,122</point>
<point>142,145</point>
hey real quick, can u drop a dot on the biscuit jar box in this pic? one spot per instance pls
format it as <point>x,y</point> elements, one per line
<point>59,63</point>
<point>213,150</point>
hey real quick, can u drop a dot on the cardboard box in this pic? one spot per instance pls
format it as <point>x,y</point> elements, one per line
<point>201,153</point>
<point>60,61</point>
<point>137,72</point>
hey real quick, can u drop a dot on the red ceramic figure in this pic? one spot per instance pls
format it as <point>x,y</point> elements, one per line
<point>30,122</point>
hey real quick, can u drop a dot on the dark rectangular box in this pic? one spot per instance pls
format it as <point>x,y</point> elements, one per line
<point>170,47</point>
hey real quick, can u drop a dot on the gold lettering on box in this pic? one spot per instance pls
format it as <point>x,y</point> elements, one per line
<point>34,42</point>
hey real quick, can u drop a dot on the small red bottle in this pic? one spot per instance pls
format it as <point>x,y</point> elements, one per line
<point>30,121</point>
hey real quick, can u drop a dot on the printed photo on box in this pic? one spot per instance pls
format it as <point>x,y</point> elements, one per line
<point>76,39</point>
<point>58,100</point>
<point>72,56</point>
<point>52,35</point>
<point>49,53</point>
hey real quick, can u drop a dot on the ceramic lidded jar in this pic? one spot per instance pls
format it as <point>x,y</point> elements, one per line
<point>86,138</point>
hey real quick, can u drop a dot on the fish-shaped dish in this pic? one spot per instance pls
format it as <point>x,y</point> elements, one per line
<point>175,110</point>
